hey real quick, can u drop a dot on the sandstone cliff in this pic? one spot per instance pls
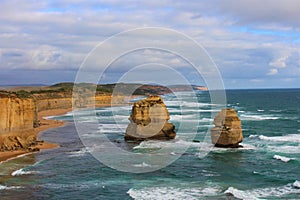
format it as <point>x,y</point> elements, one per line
<point>149,120</point>
<point>228,130</point>
<point>18,117</point>
<point>19,114</point>
<point>16,113</point>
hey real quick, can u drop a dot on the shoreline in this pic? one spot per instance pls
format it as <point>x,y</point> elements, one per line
<point>45,124</point>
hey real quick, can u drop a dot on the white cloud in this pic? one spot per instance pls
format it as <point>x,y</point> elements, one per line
<point>58,34</point>
<point>279,62</point>
<point>272,72</point>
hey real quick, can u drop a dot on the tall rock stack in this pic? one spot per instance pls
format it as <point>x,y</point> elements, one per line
<point>149,120</point>
<point>228,129</point>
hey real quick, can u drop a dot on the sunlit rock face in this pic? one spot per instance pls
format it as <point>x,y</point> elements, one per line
<point>228,129</point>
<point>149,120</point>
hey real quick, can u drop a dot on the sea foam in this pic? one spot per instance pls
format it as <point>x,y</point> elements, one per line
<point>20,172</point>
<point>296,184</point>
<point>169,193</point>
<point>285,138</point>
<point>277,192</point>
<point>3,187</point>
<point>284,149</point>
<point>142,165</point>
<point>248,117</point>
<point>282,158</point>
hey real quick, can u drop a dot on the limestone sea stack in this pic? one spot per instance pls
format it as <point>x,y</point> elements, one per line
<point>149,120</point>
<point>228,129</point>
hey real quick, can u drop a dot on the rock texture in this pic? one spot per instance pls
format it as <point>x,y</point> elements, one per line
<point>16,113</point>
<point>19,141</point>
<point>228,130</point>
<point>149,120</point>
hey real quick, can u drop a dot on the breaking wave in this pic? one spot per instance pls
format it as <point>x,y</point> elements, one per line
<point>285,138</point>
<point>264,192</point>
<point>4,187</point>
<point>282,158</point>
<point>21,172</point>
<point>257,117</point>
<point>169,193</point>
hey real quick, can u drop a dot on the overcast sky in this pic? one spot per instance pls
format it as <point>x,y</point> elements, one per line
<point>254,43</point>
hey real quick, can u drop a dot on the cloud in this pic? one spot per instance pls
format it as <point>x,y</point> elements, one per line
<point>281,12</point>
<point>279,62</point>
<point>247,40</point>
<point>272,72</point>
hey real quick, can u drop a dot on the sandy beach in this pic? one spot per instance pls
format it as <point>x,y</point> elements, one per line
<point>45,124</point>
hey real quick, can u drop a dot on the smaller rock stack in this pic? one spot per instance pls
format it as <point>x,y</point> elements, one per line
<point>149,120</point>
<point>227,132</point>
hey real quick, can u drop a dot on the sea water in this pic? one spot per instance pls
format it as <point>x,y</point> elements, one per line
<point>268,167</point>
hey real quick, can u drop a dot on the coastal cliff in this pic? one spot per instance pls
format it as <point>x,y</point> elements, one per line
<point>21,108</point>
<point>19,115</point>
<point>16,113</point>
<point>18,119</point>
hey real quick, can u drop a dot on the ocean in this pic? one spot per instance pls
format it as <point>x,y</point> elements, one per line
<point>268,167</point>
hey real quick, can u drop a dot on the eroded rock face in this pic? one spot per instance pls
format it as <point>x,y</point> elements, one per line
<point>228,129</point>
<point>149,120</point>
<point>16,114</point>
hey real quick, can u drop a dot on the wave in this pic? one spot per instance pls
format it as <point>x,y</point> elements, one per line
<point>284,149</point>
<point>285,138</point>
<point>142,165</point>
<point>79,153</point>
<point>178,110</point>
<point>260,110</point>
<point>182,144</point>
<point>296,184</point>
<point>257,117</point>
<point>188,104</point>
<point>21,172</point>
<point>282,158</point>
<point>181,117</point>
<point>4,187</point>
<point>276,111</point>
<point>277,192</point>
<point>168,193</point>
<point>196,104</point>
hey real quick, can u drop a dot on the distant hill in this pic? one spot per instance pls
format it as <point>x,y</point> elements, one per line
<point>123,88</point>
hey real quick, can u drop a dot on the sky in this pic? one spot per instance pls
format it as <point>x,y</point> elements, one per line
<point>253,43</point>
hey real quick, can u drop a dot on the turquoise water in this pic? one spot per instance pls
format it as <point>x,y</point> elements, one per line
<point>266,168</point>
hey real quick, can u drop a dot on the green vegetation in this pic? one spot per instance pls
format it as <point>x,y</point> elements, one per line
<point>23,94</point>
<point>66,88</point>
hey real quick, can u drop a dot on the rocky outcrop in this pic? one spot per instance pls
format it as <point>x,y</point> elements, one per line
<point>228,130</point>
<point>19,141</point>
<point>149,120</point>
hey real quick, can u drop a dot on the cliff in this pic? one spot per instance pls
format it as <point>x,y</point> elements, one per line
<point>16,113</point>
<point>18,118</point>
<point>19,115</point>
<point>228,129</point>
<point>149,120</point>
